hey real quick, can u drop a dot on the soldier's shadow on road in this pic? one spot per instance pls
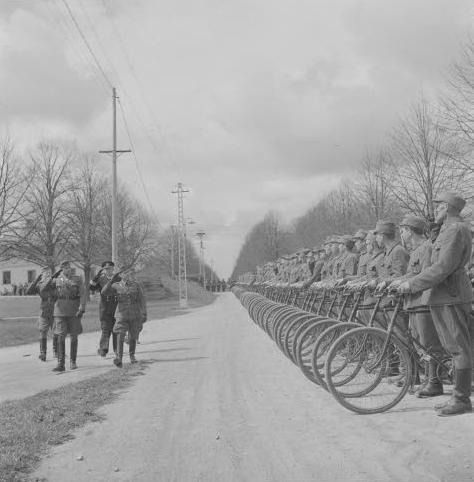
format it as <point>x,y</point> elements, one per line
<point>138,351</point>
<point>164,341</point>
<point>169,360</point>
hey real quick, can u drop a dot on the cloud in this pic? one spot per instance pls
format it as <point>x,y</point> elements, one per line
<point>254,105</point>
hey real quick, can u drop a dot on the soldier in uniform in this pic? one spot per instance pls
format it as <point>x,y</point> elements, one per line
<point>350,258</point>
<point>131,311</point>
<point>45,320</point>
<point>449,296</point>
<point>107,307</point>
<point>69,308</point>
<point>412,232</point>
<point>332,251</point>
<point>361,248</point>
<point>395,260</point>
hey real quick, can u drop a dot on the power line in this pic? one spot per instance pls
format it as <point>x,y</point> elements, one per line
<point>86,42</point>
<point>132,144</point>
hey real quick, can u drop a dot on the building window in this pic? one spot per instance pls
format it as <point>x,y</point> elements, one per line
<point>7,277</point>
<point>31,274</point>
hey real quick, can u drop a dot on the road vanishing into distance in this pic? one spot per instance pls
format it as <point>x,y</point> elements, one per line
<point>220,402</point>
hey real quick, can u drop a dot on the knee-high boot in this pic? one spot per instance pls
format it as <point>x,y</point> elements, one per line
<point>73,353</point>
<point>119,355</point>
<point>55,346</point>
<point>114,342</point>
<point>131,350</point>
<point>61,354</point>
<point>460,401</point>
<point>434,386</point>
<point>43,345</point>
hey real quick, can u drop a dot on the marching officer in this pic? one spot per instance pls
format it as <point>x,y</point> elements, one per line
<point>45,320</point>
<point>449,296</point>
<point>131,311</point>
<point>69,308</point>
<point>107,307</point>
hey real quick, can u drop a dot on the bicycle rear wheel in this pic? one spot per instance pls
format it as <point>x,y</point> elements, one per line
<point>359,366</point>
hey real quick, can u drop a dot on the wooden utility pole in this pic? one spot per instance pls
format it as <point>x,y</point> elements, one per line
<point>114,153</point>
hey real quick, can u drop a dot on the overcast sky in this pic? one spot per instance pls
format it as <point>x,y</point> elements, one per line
<point>252,104</point>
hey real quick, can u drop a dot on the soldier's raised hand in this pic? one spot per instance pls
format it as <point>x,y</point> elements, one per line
<point>55,275</point>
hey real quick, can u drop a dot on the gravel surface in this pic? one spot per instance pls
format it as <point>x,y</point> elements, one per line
<point>220,402</point>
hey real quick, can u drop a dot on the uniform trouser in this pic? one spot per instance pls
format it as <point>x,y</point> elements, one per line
<point>107,325</point>
<point>423,329</point>
<point>453,325</point>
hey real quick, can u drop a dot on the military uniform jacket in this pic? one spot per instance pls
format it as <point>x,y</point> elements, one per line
<point>131,304</point>
<point>420,259</point>
<point>349,265</point>
<point>446,279</point>
<point>318,266</point>
<point>326,271</point>
<point>395,262</point>
<point>337,266</point>
<point>69,294</point>
<point>362,265</point>
<point>108,303</point>
<point>48,299</point>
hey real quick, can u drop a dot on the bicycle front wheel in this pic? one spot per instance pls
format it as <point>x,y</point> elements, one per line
<point>360,369</point>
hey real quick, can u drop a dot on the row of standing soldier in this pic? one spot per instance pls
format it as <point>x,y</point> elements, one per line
<point>433,276</point>
<point>122,310</point>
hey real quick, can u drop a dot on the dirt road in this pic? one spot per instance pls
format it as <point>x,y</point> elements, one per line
<point>221,403</point>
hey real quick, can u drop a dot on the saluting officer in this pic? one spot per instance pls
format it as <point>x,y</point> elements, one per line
<point>131,311</point>
<point>45,320</point>
<point>69,308</point>
<point>107,307</point>
<point>449,296</point>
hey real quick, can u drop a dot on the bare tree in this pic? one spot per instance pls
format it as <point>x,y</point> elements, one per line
<point>373,187</point>
<point>84,216</point>
<point>13,186</point>
<point>42,233</point>
<point>136,236</point>
<point>423,161</point>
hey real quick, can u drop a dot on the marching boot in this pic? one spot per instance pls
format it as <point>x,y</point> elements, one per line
<point>434,386</point>
<point>55,346</point>
<point>114,342</point>
<point>61,355</point>
<point>43,344</point>
<point>74,343</point>
<point>460,401</point>
<point>104,344</point>
<point>131,350</point>
<point>118,356</point>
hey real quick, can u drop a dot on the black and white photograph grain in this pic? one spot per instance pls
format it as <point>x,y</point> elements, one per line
<point>236,240</point>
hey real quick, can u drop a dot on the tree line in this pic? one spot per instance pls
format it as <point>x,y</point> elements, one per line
<point>428,151</point>
<point>56,204</point>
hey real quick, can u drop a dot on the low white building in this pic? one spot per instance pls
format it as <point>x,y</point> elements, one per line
<point>16,274</point>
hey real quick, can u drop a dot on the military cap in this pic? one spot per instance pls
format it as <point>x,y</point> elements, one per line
<point>107,264</point>
<point>360,234</point>
<point>65,263</point>
<point>305,250</point>
<point>452,198</point>
<point>385,227</point>
<point>348,240</point>
<point>414,222</point>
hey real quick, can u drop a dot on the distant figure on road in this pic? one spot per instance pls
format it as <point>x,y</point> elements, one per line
<point>131,310</point>
<point>46,319</point>
<point>107,307</point>
<point>68,311</point>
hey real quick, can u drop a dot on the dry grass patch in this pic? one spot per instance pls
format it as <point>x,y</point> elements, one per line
<point>30,426</point>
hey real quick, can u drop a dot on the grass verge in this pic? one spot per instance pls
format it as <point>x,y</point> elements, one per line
<point>32,425</point>
<point>19,331</point>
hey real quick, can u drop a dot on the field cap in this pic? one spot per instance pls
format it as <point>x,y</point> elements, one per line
<point>348,240</point>
<point>453,198</point>
<point>414,222</point>
<point>65,263</point>
<point>385,227</point>
<point>107,264</point>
